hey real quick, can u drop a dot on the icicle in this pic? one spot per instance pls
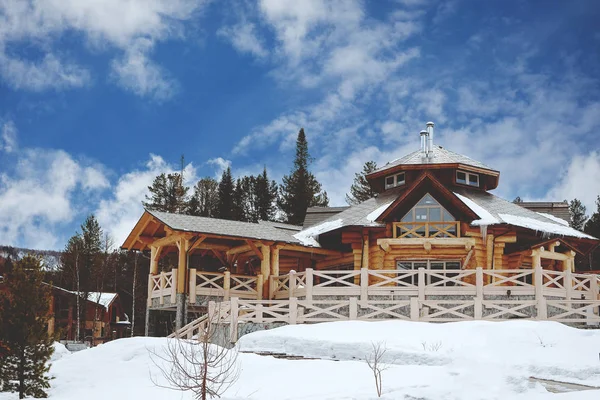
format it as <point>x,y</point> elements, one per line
<point>483,230</point>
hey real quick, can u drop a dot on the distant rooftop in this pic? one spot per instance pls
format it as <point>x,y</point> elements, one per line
<point>440,156</point>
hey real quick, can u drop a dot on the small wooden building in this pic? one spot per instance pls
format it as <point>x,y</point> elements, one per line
<point>433,245</point>
<point>103,320</point>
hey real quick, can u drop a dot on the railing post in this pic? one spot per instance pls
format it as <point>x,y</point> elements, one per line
<point>293,310</point>
<point>161,287</point>
<point>233,328</point>
<point>272,284</point>
<point>174,274</point>
<point>478,311</point>
<point>542,309</point>
<point>259,313</point>
<point>421,283</point>
<point>192,298</point>
<point>568,283</point>
<point>364,284</point>
<point>353,309</point>
<point>150,289</point>
<point>292,284</point>
<point>211,311</point>
<point>309,283</point>
<point>226,284</point>
<point>259,286</point>
<point>414,309</point>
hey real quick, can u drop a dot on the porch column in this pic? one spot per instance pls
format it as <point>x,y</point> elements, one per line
<point>274,261</point>
<point>154,259</point>
<point>183,246</point>
<point>265,267</point>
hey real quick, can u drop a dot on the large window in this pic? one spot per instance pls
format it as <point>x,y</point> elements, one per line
<point>467,178</point>
<point>434,265</point>
<point>394,180</point>
<point>440,222</point>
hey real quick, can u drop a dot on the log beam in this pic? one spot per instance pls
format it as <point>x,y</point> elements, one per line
<point>183,244</point>
<point>259,254</point>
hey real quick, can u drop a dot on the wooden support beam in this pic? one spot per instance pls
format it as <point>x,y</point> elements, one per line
<point>552,245</point>
<point>220,257</point>
<point>385,246</point>
<point>275,260</point>
<point>312,250</point>
<point>553,256</point>
<point>197,243</point>
<point>154,257</point>
<point>239,249</point>
<point>183,244</point>
<point>466,242</point>
<point>489,251</point>
<point>365,251</point>
<point>256,251</point>
<point>138,233</point>
<point>265,263</point>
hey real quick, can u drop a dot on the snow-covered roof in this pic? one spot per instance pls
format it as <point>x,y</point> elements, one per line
<point>104,299</point>
<point>440,156</point>
<point>494,210</point>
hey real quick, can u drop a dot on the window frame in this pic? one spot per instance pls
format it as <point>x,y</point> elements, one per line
<point>468,175</point>
<point>396,181</point>
<point>414,278</point>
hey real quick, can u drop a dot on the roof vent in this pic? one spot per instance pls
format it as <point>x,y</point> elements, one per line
<point>429,145</point>
<point>423,134</point>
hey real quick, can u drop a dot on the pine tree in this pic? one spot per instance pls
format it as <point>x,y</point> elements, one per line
<point>24,314</point>
<point>266,197</point>
<point>592,226</point>
<point>204,201</point>
<point>167,194</point>
<point>578,217</point>
<point>244,200</point>
<point>225,209</point>
<point>300,189</point>
<point>360,189</point>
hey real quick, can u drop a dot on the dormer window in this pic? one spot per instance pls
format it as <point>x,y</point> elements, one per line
<point>394,180</point>
<point>467,178</point>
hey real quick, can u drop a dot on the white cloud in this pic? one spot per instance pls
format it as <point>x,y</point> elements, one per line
<point>221,164</point>
<point>244,38</point>
<point>8,139</point>
<point>38,196</point>
<point>137,73</point>
<point>110,23</point>
<point>579,180</point>
<point>119,213</point>
<point>50,73</point>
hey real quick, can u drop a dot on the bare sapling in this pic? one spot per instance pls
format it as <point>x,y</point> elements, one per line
<point>203,365</point>
<point>375,362</point>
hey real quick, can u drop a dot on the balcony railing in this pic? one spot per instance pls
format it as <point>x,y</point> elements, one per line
<point>447,229</point>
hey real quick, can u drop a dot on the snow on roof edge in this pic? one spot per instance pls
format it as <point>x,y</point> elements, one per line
<point>485,217</point>
<point>308,236</point>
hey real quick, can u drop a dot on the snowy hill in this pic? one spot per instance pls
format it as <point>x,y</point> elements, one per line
<point>50,258</point>
<point>463,360</point>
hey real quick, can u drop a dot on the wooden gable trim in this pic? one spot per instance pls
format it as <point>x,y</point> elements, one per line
<point>550,244</point>
<point>427,177</point>
<point>412,167</point>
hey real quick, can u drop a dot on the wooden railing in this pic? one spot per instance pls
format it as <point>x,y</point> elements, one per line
<point>424,282</point>
<point>161,285</point>
<point>224,285</point>
<point>448,229</point>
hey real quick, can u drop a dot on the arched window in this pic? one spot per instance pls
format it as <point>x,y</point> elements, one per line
<point>428,219</point>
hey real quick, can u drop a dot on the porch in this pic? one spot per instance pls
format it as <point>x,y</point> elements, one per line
<point>315,296</point>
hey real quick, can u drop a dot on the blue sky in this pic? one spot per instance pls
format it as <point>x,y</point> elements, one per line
<point>96,98</point>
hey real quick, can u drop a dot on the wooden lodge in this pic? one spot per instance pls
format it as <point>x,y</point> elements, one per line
<point>433,245</point>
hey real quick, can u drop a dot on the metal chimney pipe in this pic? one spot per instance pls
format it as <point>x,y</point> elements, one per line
<point>423,134</point>
<point>430,126</point>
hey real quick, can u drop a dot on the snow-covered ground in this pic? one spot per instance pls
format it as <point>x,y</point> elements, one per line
<point>463,360</point>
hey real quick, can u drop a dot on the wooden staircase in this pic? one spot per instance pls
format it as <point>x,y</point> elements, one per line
<point>197,328</point>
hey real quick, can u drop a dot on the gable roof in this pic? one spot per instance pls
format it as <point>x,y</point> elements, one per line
<point>261,231</point>
<point>490,209</point>
<point>440,156</point>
